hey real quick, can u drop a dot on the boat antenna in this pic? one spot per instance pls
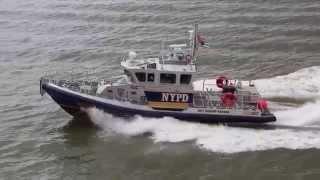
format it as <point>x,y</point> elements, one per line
<point>161,51</point>
<point>195,43</point>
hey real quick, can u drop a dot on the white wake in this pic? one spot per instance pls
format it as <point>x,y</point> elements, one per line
<point>302,84</point>
<point>224,139</point>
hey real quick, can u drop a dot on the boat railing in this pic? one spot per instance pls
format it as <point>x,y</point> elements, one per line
<point>213,99</point>
<point>204,84</point>
<point>83,86</point>
<point>209,85</point>
<point>87,86</point>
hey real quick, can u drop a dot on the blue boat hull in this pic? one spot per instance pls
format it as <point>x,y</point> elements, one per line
<point>73,103</point>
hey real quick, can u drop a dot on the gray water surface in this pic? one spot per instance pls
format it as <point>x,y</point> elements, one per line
<point>249,39</point>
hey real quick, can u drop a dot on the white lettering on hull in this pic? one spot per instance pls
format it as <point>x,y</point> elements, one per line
<point>172,97</point>
<point>165,97</point>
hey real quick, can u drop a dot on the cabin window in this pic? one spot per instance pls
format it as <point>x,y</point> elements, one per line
<point>168,78</point>
<point>150,77</point>
<point>126,72</point>
<point>180,56</point>
<point>152,66</point>
<point>141,76</point>
<point>185,78</point>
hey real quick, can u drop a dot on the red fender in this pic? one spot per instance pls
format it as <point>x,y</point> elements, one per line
<point>228,99</point>
<point>262,104</point>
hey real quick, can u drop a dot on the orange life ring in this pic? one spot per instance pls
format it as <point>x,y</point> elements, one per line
<point>222,81</point>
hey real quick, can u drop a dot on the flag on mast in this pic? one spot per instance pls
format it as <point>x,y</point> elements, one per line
<point>202,41</point>
<point>196,41</point>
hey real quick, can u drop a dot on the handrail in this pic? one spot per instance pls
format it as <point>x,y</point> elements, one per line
<point>207,99</point>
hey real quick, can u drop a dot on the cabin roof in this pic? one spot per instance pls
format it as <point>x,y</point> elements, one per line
<point>159,65</point>
<point>178,45</point>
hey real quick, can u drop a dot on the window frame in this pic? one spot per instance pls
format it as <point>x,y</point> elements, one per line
<point>137,76</point>
<point>166,74</point>
<point>148,76</point>
<point>129,74</point>
<point>189,80</point>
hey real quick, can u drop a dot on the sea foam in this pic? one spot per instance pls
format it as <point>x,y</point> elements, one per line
<point>225,139</point>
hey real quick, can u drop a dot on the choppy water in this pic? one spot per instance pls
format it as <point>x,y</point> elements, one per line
<point>276,42</point>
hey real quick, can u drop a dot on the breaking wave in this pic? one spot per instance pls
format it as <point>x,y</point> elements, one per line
<point>215,138</point>
<point>226,139</point>
<point>302,84</point>
<point>306,115</point>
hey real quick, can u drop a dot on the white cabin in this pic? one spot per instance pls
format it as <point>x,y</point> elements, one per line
<point>175,69</point>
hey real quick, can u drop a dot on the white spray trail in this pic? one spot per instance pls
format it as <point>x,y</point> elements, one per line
<point>215,138</point>
<point>308,114</point>
<point>225,139</point>
<point>302,84</point>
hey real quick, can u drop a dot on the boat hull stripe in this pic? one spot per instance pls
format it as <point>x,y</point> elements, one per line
<point>67,98</point>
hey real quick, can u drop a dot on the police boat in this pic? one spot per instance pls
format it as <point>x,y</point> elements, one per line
<point>164,86</point>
